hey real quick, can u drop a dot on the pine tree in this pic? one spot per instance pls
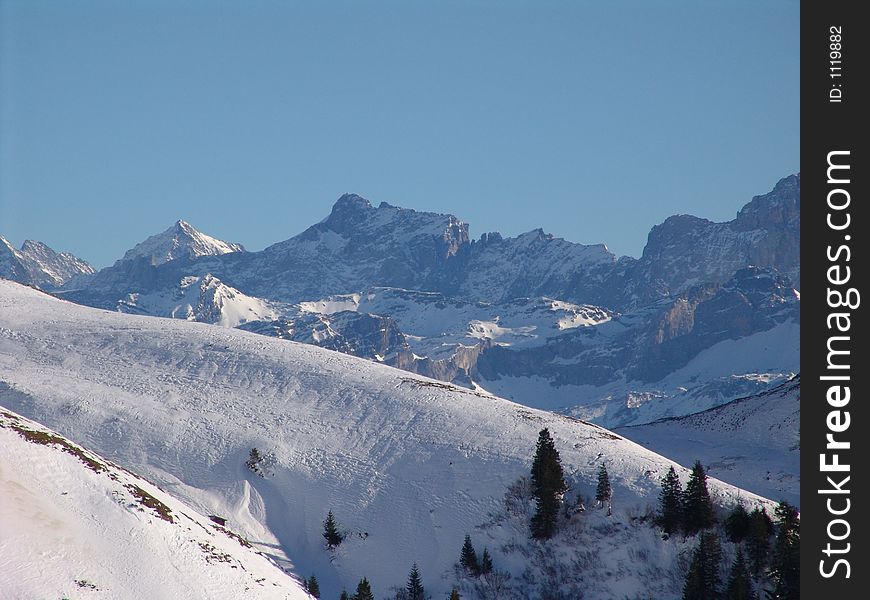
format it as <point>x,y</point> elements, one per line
<point>330,532</point>
<point>454,595</point>
<point>364,590</point>
<point>344,595</point>
<point>548,486</point>
<point>312,587</point>
<point>758,540</point>
<point>468,557</point>
<point>486,563</point>
<point>603,492</point>
<point>697,506</point>
<point>703,579</point>
<point>737,524</point>
<point>739,583</point>
<point>415,588</point>
<point>785,567</point>
<point>670,516</point>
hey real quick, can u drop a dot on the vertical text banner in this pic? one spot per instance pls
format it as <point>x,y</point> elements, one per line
<point>835,369</point>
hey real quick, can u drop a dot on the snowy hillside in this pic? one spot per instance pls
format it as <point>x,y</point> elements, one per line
<point>181,240</point>
<point>752,442</point>
<point>408,465</point>
<point>78,526</point>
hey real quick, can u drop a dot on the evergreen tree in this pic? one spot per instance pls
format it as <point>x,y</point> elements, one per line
<point>603,492</point>
<point>312,587</point>
<point>344,595</point>
<point>468,557</point>
<point>548,486</point>
<point>414,588</point>
<point>758,540</point>
<point>739,583</point>
<point>703,579</point>
<point>364,590</point>
<point>486,563</point>
<point>785,567</point>
<point>737,524</point>
<point>670,516</point>
<point>454,595</point>
<point>697,506</point>
<point>330,532</point>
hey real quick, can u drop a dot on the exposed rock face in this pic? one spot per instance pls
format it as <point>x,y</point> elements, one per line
<point>685,250</point>
<point>360,334</point>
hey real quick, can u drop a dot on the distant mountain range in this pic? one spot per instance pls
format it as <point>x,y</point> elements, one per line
<point>708,313</point>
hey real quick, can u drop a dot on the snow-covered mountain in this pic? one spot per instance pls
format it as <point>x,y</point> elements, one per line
<point>77,525</point>
<point>181,240</point>
<point>204,299</point>
<point>538,319</point>
<point>752,442</point>
<point>38,265</point>
<point>407,464</point>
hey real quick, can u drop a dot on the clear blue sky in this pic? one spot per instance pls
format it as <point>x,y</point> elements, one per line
<point>593,120</point>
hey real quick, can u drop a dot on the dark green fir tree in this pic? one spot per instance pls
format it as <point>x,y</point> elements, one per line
<point>364,590</point>
<point>548,486</point>
<point>670,517</point>
<point>603,492</point>
<point>330,532</point>
<point>468,557</point>
<point>737,524</point>
<point>697,505</point>
<point>703,580</point>
<point>485,563</point>
<point>312,587</point>
<point>454,595</point>
<point>758,541</point>
<point>414,588</point>
<point>739,586</point>
<point>785,564</point>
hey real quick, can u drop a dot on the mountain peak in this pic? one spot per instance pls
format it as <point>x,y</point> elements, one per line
<point>37,264</point>
<point>351,201</point>
<point>182,240</point>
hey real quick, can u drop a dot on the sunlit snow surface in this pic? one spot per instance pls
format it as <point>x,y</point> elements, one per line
<point>74,526</point>
<point>408,465</point>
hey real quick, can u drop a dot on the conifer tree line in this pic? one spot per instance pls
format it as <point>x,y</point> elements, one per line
<point>766,564</point>
<point>469,562</point>
<point>758,568</point>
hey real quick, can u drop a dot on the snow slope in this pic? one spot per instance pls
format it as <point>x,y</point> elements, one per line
<point>752,442</point>
<point>77,525</point>
<point>408,465</point>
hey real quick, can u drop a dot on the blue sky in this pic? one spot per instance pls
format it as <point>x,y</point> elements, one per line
<point>593,120</point>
